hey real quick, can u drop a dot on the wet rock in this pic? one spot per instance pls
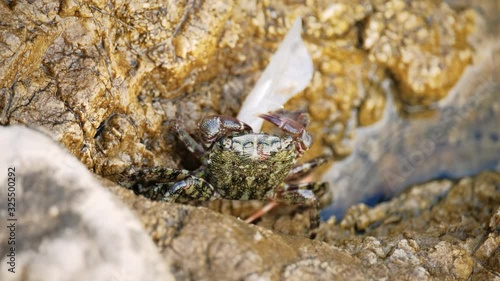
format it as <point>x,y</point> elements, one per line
<point>411,203</point>
<point>68,227</point>
<point>459,137</point>
<point>104,79</point>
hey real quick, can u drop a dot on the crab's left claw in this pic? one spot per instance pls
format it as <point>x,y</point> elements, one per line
<point>216,126</point>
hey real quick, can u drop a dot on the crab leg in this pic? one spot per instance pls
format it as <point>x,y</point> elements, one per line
<point>192,145</point>
<point>264,210</point>
<point>286,124</point>
<point>318,188</point>
<point>300,194</point>
<point>153,182</point>
<point>300,117</point>
<point>304,169</point>
<point>158,173</point>
<point>191,188</point>
<point>302,197</point>
<point>153,191</point>
<point>160,183</point>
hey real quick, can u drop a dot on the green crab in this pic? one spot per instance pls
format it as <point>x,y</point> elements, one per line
<point>238,164</point>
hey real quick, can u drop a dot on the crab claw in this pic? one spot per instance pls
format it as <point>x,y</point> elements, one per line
<point>215,126</point>
<point>291,127</point>
<point>287,125</point>
<point>298,116</point>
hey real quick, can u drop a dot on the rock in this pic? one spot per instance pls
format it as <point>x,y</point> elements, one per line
<point>104,79</point>
<point>440,230</point>
<point>413,40</point>
<point>67,227</point>
<point>458,137</point>
<point>434,231</point>
<point>204,245</point>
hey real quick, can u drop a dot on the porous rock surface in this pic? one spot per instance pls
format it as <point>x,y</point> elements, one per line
<point>442,230</point>
<point>204,245</point>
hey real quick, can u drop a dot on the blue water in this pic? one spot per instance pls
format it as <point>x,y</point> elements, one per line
<point>461,139</point>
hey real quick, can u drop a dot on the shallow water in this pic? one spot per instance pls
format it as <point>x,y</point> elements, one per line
<point>461,138</point>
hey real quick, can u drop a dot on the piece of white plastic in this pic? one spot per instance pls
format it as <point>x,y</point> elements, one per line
<point>288,73</point>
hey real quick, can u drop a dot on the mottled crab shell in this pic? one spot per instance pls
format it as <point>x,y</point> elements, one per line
<point>250,166</point>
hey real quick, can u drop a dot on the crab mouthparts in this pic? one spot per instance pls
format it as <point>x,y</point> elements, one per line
<point>259,151</point>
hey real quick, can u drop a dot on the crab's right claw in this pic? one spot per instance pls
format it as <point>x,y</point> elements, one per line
<point>292,128</point>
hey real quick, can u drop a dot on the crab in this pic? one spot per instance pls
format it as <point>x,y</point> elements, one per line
<point>238,164</point>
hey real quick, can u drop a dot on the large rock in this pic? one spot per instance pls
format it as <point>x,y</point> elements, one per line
<point>204,245</point>
<point>102,78</point>
<point>67,227</point>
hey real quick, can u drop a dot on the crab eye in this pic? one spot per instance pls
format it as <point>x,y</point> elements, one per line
<point>248,144</point>
<point>276,144</point>
<point>236,145</point>
<point>265,148</point>
<point>227,143</point>
<point>264,145</point>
